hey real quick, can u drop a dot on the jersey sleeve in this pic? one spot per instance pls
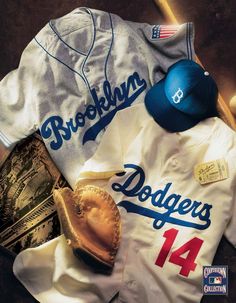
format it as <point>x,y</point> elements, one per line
<point>230,233</point>
<point>179,45</point>
<point>109,156</point>
<point>18,98</point>
<point>170,43</point>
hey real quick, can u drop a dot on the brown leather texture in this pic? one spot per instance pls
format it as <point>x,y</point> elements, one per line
<point>91,223</point>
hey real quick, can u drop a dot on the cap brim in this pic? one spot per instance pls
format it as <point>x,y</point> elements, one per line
<point>164,113</point>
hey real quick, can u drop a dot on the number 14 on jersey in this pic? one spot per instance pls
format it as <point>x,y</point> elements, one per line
<point>186,263</point>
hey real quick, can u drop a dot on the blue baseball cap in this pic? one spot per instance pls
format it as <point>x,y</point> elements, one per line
<point>186,95</point>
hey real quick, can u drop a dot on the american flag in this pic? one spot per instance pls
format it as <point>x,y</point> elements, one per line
<point>164,31</point>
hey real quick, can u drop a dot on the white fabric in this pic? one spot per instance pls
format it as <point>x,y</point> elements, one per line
<point>158,197</point>
<point>77,73</point>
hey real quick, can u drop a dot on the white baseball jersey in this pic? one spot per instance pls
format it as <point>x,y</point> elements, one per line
<point>171,223</point>
<point>77,73</point>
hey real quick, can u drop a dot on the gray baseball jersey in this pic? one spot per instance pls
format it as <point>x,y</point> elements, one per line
<point>77,73</point>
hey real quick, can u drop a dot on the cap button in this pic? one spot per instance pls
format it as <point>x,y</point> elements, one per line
<point>206,73</point>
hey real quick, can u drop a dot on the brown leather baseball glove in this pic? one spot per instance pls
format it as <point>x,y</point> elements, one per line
<point>91,224</point>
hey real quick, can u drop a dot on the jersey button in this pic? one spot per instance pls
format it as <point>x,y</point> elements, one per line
<point>175,162</point>
<point>86,69</point>
<point>74,58</point>
<point>131,284</point>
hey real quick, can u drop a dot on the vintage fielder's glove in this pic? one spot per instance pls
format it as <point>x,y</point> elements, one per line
<point>91,224</point>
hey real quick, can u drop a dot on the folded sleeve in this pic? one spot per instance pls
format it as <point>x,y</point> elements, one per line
<point>18,97</point>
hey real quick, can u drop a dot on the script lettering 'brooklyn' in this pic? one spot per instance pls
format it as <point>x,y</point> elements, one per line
<point>165,206</point>
<point>103,110</point>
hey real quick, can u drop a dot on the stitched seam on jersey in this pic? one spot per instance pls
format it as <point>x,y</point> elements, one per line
<point>119,32</point>
<point>59,60</point>
<point>133,33</point>
<point>60,38</point>
<point>91,47</point>
<point>53,42</point>
<point>73,30</point>
<point>5,140</point>
<point>51,38</point>
<point>187,33</point>
<point>112,39</point>
<point>102,30</point>
<point>124,32</point>
<point>189,41</point>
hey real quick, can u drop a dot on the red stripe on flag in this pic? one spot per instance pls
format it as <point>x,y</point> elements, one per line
<point>168,32</point>
<point>165,36</point>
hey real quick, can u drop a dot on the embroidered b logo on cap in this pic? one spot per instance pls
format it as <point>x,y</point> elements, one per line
<point>187,95</point>
<point>178,96</point>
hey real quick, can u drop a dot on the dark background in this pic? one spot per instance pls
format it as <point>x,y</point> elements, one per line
<point>215,45</point>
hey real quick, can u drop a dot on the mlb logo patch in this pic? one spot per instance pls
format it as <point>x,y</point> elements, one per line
<point>215,280</point>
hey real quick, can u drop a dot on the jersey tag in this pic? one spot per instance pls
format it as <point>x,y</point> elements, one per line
<point>212,171</point>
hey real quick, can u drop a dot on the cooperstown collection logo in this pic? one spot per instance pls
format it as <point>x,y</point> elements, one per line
<point>215,280</point>
<point>103,110</point>
<point>165,206</point>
